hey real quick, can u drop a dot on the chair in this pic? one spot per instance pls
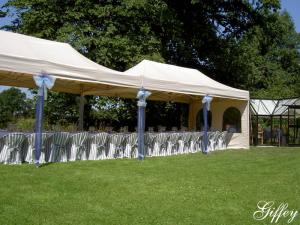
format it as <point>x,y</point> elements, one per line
<point>194,147</point>
<point>161,129</point>
<point>131,146</point>
<point>109,129</point>
<point>199,141</point>
<point>213,140</point>
<point>260,133</point>
<point>151,129</point>
<point>124,129</point>
<point>173,143</point>
<point>222,140</point>
<point>116,149</point>
<point>58,152</point>
<point>183,129</point>
<point>12,149</point>
<point>30,156</point>
<point>185,139</point>
<point>149,143</point>
<point>161,142</point>
<point>174,129</point>
<point>78,146</point>
<point>98,146</point>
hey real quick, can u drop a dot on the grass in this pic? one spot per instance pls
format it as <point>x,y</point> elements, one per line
<point>221,188</point>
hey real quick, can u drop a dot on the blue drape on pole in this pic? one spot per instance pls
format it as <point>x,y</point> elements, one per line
<point>205,137</point>
<point>142,96</point>
<point>44,82</point>
<point>39,123</point>
<point>206,107</point>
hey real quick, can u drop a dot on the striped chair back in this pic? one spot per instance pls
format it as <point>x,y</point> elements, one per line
<point>79,139</point>
<point>78,146</point>
<point>117,141</point>
<point>12,150</point>
<point>162,141</point>
<point>174,143</point>
<point>149,143</point>
<point>59,143</point>
<point>100,139</point>
<point>131,143</point>
<point>30,155</point>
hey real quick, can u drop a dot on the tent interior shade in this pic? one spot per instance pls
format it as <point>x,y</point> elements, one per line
<point>263,107</point>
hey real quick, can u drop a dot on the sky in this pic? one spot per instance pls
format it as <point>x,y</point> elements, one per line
<point>292,6</point>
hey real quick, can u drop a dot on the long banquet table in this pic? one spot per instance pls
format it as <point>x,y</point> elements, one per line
<point>16,148</point>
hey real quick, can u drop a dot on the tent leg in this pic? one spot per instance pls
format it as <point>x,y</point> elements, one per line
<point>141,131</point>
<point>39,124</point>
<point>205,137</point>
<point>81,112</point>
<point>142,96</point>
<point>206,106</point>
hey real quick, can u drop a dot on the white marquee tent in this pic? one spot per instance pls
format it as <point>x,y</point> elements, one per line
<point>193,84</point>
<point>22,57</point>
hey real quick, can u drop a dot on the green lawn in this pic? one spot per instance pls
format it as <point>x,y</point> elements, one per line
<point>221,188</point>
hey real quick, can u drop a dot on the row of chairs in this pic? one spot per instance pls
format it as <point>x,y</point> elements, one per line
<point>16,148</point>
<point>170,143</point>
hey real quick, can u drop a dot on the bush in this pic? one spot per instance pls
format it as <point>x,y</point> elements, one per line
<point>25,124</point>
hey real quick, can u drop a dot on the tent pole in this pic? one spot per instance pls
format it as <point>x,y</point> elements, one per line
<point>256,141</point>
<point>81,111</point>
<point>39,124</point>
<point>280,130</point>
<point>206,105</point>
<point>272,140</point>
<point>142,96</point>
<point>288,128</point>
<point>205,127</point>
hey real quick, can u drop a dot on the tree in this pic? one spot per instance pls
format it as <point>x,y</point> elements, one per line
<point>241,43</point>
<point>13,105</point>
<point>266,59</point>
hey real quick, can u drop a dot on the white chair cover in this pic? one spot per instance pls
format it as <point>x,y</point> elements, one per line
<point>173,144</point>
<point>149,143</point>
<point>221,142</point>
<point>58,150</point>
<point>161,144</point>
<point>30,155</point>
<point>116,148</point>
<point>12,149</point>
<point>98,146</point>
<point>193,142</point>
<point>78,146</point>
<point>131,146</point>
<point>213,140</point>
<point>184,142</point>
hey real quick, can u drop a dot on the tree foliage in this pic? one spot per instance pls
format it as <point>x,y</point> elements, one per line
<point>244,44</point>
<point>13,105</point>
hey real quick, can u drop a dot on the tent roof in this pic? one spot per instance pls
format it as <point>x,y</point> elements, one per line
<point>159,76</point>
<point>266,107</point>
<point>22,57</point>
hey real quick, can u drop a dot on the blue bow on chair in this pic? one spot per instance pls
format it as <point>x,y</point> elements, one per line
<point>44,81</point>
